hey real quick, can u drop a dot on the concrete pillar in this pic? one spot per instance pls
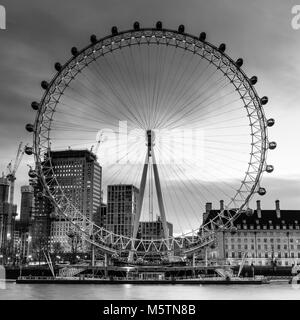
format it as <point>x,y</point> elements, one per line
<point>208,207</point>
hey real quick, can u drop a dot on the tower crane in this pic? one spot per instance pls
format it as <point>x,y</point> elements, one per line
<point>11,176</point>
<point>99,140</point>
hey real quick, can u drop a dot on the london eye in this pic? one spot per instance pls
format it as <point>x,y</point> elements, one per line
<point>167,112</point>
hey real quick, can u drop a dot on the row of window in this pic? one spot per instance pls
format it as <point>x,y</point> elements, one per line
<point>233,254</point>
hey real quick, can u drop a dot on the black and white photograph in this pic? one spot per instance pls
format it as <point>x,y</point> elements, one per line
<point>149,150</point>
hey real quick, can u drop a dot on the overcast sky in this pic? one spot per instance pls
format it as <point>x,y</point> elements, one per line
<point>39,33</point>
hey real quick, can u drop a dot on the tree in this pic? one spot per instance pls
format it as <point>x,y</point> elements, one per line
<point>75,243</point>
<point>57,250</point>
<point>39,246</point>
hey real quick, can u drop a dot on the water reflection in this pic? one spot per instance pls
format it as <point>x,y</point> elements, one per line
<point>282,291</point>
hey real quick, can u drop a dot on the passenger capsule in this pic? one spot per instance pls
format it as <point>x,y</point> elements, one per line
<point>270,122</point>
<point>136,26</point>
<point>29,151</point>
<point>262,191</point>
<point>93,38</point>
<point>32,173</point>
<point>239,62</point>
<point>253,80</point>
<point>35,105</point>
<point>272,145</point>
<point>29,127</point>
<point>58,66</point>
<point>44,85</point>
<point>74,51</point>
<point>269,168</point>
<point>202,36</point>
<point>114,30</point>
<point>158,25</point>
<point>181,29</point>
<point>40,194</point>
<point>264,100</point>
<point>222,47</point>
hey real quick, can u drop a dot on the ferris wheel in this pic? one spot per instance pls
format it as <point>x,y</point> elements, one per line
<point>174,115</point>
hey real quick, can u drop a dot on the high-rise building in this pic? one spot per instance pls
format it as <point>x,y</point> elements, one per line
<point>79,175</point>
<point>41,218</point>
<point>26,204</point>
<point>121,208</point>
<point>4,189</point>
<point>152,230</point>
<point>6,238</point>
<point>22,226</point>
<point>100,219</point>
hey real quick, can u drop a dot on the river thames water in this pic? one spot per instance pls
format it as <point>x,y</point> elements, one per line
<point>281,291</point>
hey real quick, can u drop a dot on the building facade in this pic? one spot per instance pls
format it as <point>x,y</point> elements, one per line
<point>26,204</point>
<point>6,238</point>
<point>40,224</point>
<point>121,208</point>
<point>79,175</point>
<point>153,230</point>
<point>261,237</point>
<point>22,236</point>
<point>4,189</point>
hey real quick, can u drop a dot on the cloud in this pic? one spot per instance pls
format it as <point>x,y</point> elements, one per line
<point>40,33</point>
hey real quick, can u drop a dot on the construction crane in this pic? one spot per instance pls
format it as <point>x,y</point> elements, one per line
<point>99,140</point>
<point>11,176</point>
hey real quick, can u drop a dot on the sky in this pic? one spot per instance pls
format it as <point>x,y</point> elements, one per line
<point>40,33</point>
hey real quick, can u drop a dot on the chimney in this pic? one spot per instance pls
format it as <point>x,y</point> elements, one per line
<point>221,205</point>
<point>277,209</point>
<point>258,210</point>
<point>208,207</point>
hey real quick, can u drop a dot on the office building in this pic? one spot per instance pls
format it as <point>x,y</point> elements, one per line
<point>79,176</point>
<point>152,230</point>
<point>121,208</point>
<point>6,238</point>
<point>26,204</point>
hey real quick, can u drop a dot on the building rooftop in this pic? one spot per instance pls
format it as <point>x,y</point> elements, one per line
<point>260,217</point>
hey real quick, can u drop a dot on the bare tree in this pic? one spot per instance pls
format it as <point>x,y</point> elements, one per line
<point>75,243</point>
